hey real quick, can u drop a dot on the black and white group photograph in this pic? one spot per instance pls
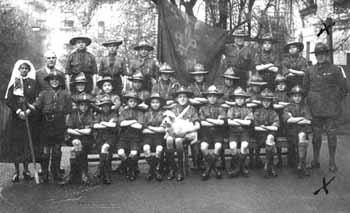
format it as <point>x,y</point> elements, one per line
<point>174,106</point>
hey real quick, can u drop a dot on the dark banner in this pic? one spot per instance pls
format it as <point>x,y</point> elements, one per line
<point>186,41</point>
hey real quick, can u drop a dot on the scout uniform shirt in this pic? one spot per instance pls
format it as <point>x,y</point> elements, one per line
<point>295,62</point>
<point>214,111</point>
<point>153,118</point>
<point>79,120</point>
<point>41,75</point>
<point>114,66</point>
<point>114,97</point>
<point>239,112</point>
<point>240,58</point>
<point>265,57</point>
<point>166,88</point>
<point>325,87</point>
<point>190,115</point>
<point>296,110</point>
<point>107,135</point>
<point>267,117</point>
<point>82,61</point>
<point>148,67</point>
<point>54,105</point>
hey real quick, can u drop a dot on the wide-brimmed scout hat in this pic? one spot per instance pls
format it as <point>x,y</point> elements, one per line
<point>113,43</point>
<point>80,78</point>
<point>257,80</point>
<point>239,92</point>
<point>230,74</point>
<point>240,33</point>
<point>267,37</point>
<point>199,69</point>
<point>267,94</point>
<point>296,90</point>
<point>143,44</point>
<point>57,75</point>
<point>166,68</point>
<point>86,39</point>
<point>321,48</point>
<point>294,42</point>
<point>183,90</point>
<point>212,90</point>
<point>280,78</point>
<point>138,76</point>
<point>105,78</point>
<point>155,95</point>
<point>132,94</point>
<point>84,97</point>
<point>104,100</point>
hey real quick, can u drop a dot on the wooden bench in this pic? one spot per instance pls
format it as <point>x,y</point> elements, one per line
<point>281,142</point>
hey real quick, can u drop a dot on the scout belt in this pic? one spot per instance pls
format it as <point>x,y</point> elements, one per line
<point>52,116</point>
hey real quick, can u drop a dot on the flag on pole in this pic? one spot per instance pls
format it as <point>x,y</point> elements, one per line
<point>186,41</point>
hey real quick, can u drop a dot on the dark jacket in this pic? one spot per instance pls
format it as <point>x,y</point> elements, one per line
<point>325,87</point>
<point>40,75</point>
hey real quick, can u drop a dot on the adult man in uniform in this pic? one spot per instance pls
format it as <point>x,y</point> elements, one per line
<point>240,57</point>
<point>113,65</point>
<point>325,86</point>
<point>145,63</point>
<point>82,61</point>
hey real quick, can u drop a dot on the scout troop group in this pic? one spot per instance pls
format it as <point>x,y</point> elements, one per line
<point>262,98</point>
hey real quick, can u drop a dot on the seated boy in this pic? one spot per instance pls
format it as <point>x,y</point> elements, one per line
<point>266,123</point>
<point>184,111</point>
<point>239,119</point>
<point>131,123</point>
<point>153,135</point>
<point>212,117</point>
<point>105,124</point>
<point>298,118</point>
<point>79,125</point>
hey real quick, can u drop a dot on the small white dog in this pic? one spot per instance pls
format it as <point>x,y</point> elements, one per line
<point>175,127</point>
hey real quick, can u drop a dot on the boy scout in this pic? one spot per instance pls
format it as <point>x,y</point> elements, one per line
<point>187,112</point>
<point>166,85</point>
<point>281,100</point>
<point>266,123</point>
<point>138,85</point>
<point>239,57</point>
<point>325,86</point>
<point>145,64</point>
<point>131,123</point>
<point>105,124</point>
<point>256,84</point>
<point>82,61</point>
<point>198,87</point>
<point>113,65</point>
<point>294,64</point>
<point>54,104</point>
<point>267,62</point>
<point>79,128</point>
<point>105,84</point>
<point>153,135</point>
<point>239,119</point>
<point>78,87</point>
<point>298,118</point>
<point>212,117</point>
<point>230,84</point>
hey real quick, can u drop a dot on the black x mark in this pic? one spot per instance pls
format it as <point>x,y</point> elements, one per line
<point>325,184</point>
<point>326,26</point>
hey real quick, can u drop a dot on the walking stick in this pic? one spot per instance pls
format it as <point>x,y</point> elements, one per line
<point>36,175</point>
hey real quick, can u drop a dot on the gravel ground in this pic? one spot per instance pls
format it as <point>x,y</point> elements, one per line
<point>286,193</point>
